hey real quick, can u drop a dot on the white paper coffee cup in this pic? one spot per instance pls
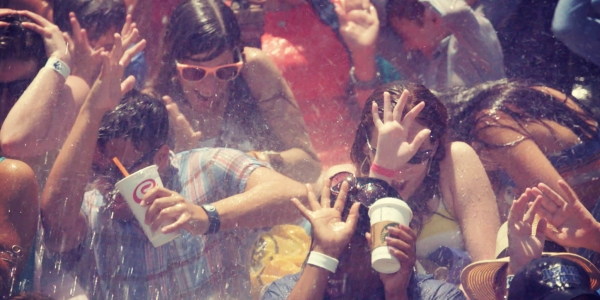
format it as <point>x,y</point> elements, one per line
<point>133,188</point>
<point>385,213</point>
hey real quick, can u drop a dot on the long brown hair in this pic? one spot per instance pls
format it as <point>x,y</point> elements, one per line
<point>434,116</point>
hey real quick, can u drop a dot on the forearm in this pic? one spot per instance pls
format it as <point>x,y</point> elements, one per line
<point>265,204</point>
<point>365,70</point>
<point>311,285</point>
<point>40,119</point>
<point>300,165</point>
<point>64,190</point>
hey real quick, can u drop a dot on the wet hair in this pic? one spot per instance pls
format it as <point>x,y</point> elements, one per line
<point>140,118</point>
<point>411,10</point>
<point>196,27</point>
<point>434,116</point>
<point>20,43</point>
<point>97,17</point>
<point>30,296</point>
<point>520,101</point>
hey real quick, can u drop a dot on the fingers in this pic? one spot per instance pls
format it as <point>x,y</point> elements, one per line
<point>127,25</point>
<point>116,53</point>
<point>341,198</point>
<point>572,196</point>
<point>518,208</point>
<point>397,114</point>
<point>162,210</point>
<point>37,28</point>
<point>132,52</point>
<point>401,242</point>
<point>76,27</point>
<point>375,113</point>
<point>352,218</point>
<point>312,198</point>
<point>388,115</point>
<point>530,216</point>
<point>35,17</point>
<point>303,210</point>
<point>153,194</point>
<point>420,138</point>
<point>369,239</point>
<point>127,85</point>
<point>410,117</point>
<point>555,198</point>
<point>181,223</point>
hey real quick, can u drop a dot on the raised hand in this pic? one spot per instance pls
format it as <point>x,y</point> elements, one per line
<point>393,147</point>
<point>402,245</point>
<point>186,137</point>
<point>54,41</point>
<point>575,225</point>
<point>86,59</point>
<point>525,245</point>
<point>108,88</point>
<point>359,25</point>
<point>331,233</point>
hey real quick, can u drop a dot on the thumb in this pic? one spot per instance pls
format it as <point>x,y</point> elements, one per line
<point>540,231</point>
<point>127,85</point>
<point>369,239</point>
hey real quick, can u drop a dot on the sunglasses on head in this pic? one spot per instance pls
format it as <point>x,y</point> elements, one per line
<point>417,159</point>
<point>224,72</point>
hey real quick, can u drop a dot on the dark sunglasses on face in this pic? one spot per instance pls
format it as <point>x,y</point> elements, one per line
<point>224,72</point>
<point>15,88</point>
<point>417,159</point>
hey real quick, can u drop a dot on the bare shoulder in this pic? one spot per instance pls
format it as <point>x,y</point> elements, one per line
<point>17,177</point>
<point>16,170</point>
<point>457,154</point>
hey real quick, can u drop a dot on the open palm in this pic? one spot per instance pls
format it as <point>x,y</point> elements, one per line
<point>359,25</point>
<point>523,243</point>
<point>330,232</point>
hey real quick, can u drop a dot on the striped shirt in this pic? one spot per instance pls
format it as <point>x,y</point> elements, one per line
<point>117,261</point>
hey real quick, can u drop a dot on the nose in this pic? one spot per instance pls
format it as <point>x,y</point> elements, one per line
<point>210,85</point>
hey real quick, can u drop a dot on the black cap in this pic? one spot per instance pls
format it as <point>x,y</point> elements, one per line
<point>551,278</point>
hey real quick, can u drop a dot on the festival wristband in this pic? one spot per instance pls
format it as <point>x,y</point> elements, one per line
<point>322,261</point>
<point>377,169</point>
<point>59,66</point>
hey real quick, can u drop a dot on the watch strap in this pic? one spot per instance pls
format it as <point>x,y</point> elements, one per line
<point>214,222</point>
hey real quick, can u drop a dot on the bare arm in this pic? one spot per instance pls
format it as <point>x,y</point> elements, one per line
<point>282,113</point>
<point>30,128</point>
<point>64,190</point>
<point>466,186</point>
<point>265,202</point>
<point>19,211</point>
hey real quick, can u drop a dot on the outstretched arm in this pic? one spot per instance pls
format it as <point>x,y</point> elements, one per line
<point>281,112</point>
<point>63,194</point>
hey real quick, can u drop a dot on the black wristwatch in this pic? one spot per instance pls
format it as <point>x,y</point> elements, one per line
<point>214,222</point>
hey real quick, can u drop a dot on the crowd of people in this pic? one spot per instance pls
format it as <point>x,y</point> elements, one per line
<point>271,150</point>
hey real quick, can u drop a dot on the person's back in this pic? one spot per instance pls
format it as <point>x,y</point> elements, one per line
<point>449,44</point>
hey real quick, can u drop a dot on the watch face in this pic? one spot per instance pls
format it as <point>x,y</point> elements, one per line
<point>209,207</point>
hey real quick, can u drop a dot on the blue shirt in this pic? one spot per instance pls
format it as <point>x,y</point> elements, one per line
<point>420,287</point>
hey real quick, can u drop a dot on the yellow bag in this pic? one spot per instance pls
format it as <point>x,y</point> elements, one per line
<point>277,253</point>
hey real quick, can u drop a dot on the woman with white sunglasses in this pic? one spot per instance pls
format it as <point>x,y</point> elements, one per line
<point>221,94</point>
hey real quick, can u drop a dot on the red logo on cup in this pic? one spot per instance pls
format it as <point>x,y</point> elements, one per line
<point>142,188</point>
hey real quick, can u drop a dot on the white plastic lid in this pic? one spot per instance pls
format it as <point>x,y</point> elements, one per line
<point>389,201</point>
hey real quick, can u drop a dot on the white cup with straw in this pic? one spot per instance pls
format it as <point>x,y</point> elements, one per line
<point>133,187</point>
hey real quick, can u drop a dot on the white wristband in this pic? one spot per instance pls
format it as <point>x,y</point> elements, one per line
<point>59,66</point>
<point>322,261</point>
